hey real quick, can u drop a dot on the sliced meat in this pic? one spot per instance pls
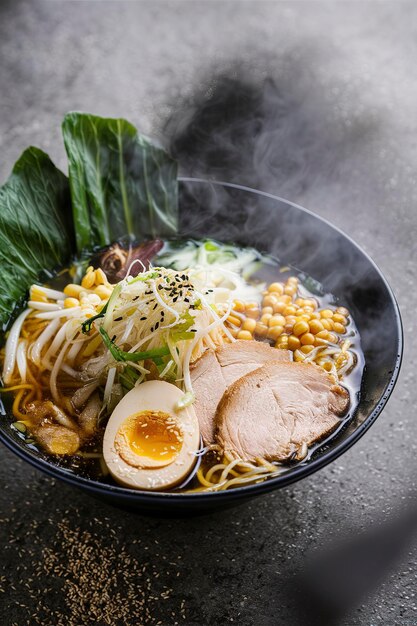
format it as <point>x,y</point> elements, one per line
<point>241,357</point>
<point>214,371</point>
<point>275,411</point>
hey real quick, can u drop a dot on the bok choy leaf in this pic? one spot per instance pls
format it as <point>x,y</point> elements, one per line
<point>36,230</point>
<point>121,184</point>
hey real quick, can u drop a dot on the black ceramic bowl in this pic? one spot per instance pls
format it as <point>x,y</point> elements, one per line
<point>297,237</point>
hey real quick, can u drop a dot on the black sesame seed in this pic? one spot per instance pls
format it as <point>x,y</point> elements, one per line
<point>118,319</point>
<point>135,298</point>
<point>175,299</point>
<point>154,306</point>
<point>156,325</point>
<point>142,319</point>
<point>186,299</point>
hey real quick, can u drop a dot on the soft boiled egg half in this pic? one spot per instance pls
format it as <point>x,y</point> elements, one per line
<point>149,443</point>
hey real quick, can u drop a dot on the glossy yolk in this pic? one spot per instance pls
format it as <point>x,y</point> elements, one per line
<point>153,437</point>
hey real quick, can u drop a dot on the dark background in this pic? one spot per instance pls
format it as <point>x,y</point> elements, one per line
<point>337,88</point>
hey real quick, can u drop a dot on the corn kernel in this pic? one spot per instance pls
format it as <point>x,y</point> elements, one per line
<point>100,278</point>
<point>88,280</point>
<point>290,290</point>
<point>103,291</point>
<point>292,280</point>
<point>276,320</point>
<point>69,303</point>
<point>239,306</point>
<point>234,320</point>
<point>311,302</point>
<point>275,332</point>
<point>316,326</point>
<point>285,298</point>
<point>293,342</point>
<point>327,323</point>
<point>249,324</point>
<point>276,288</point>
<point>279,307</point>
<point>244,334</point>
<point>306,349</point>
<point>300,301</point>
<point>291,319</point>
<point>253,313</point>
<point>73,291</point>
<point>261,330</point>
<point>281,343</point>
<point>327,366</point>
<point>342,311</point>
<point>340,319</point>
<point>303,317</point>
<point>265,318</point>
<point>307,339</point>
<point>290,310</point>
<point>339,328</point>
<point>300,328</point>
<point>270,300</point>
<point>326,313</point>
<point>267,309</point>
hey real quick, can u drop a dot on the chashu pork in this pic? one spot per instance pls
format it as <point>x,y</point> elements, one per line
<point>216,370</point>
<point>278,409</point>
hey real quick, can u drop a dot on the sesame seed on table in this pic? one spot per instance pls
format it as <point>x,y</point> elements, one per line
<point>346,152</point>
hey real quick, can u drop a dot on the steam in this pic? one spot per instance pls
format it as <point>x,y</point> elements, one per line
<point>279,133</point>
<point>282,133</point>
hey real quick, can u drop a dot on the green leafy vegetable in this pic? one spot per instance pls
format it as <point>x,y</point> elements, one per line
<point>121,184</point>
<point>36,231</point>
<point>121,355</point>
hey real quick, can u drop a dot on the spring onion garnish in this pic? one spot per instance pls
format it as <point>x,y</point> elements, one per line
<point>121,355</point>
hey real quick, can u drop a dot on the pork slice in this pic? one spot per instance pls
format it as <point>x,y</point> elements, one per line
<point>214,371</point>
<point>241,357</point>
<point>277,410</point>
<point>208,386</point>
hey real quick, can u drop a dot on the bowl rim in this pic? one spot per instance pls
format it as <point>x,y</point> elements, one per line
<point>252,490</point>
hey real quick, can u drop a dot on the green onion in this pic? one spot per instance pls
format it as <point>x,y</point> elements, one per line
<point>144,277</point>
<point>86,326</point>
<point>121,355</point>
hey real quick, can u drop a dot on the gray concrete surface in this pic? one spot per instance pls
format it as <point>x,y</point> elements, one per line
<point>67,559</point>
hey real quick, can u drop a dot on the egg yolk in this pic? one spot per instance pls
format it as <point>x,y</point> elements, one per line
<point>149,439</point>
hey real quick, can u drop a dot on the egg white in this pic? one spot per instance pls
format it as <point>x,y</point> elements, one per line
<point>154,395</point>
